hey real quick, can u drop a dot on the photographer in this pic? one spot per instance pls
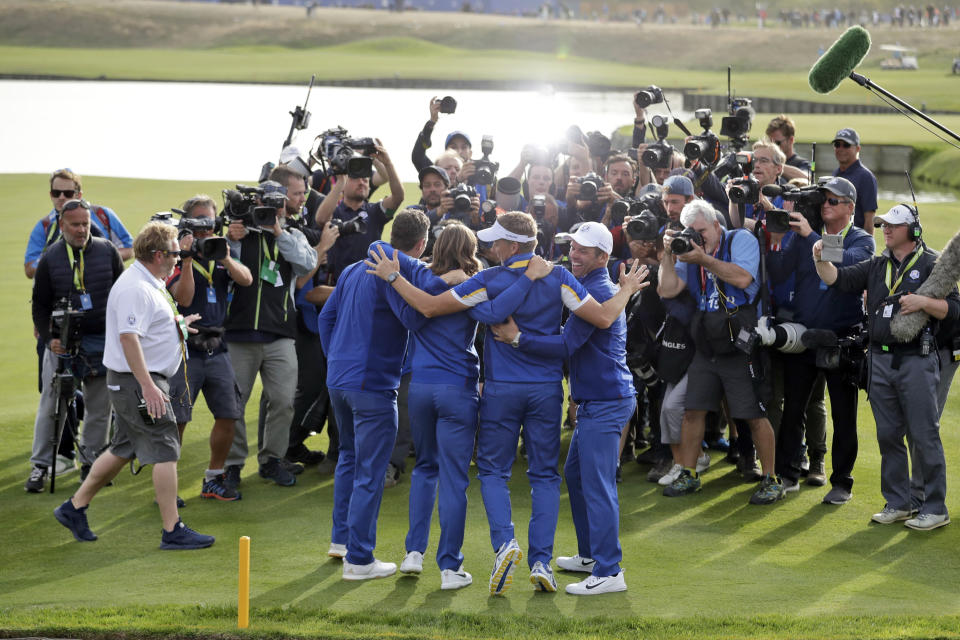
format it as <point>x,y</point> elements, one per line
<point>347,203</point>
<point>260,330</point>
<point>456,141</point>
<point>768,162</point>
<point>202,285</point>
<point>719,268</point>
<point>781,132</point>
<point>593,202</point>
<point>144,347</point>
<point>903,376</point>
<point>80,269</point>
<point>831,310</point>
<point>677,193</point>
<point>64,187</point>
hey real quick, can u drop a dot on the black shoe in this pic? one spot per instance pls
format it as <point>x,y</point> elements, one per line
<point>292,467</point>
<point>301,454</point>
<point>217,489</point>
<point>34,483</point>
<point>183,537</point>
<point>274,470</point>
<point>650,456</point>
<point>75,520</point>
<point>231,476</point>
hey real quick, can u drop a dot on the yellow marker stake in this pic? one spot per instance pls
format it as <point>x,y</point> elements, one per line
<point>243,595</point>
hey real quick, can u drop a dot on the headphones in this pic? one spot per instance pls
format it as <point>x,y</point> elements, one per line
<point>915,229</point>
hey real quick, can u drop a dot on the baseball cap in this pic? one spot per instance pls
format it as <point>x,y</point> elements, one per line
<point>594,234</point>
<point>849,136</point>
<point>841,187</point>
<point>678,184</point>
<point>454,134</point>
<point>499,232</point>
<point>900,214</point>
<point>272,186</point>
<point>434,169</point>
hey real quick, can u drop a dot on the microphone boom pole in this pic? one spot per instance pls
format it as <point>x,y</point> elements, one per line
<point>867,83</point>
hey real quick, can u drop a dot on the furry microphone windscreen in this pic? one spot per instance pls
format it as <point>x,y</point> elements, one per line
<point>840,60</point>
<point>942,279</point>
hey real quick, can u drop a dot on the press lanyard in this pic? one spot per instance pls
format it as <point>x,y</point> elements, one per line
<point>266,250</point>
<point>77,272</point>
<point>843,234</point>
<point>204,272</point>
<point>889,277</point>
<point>181,332</point>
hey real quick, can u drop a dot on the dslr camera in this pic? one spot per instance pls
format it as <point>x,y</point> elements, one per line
<point>659,154</point>
<point>351,226</point>
<point>486,170</point>
<point>620,209</point>
<point>705,147</point>
<point>252,206</point>
<point>744,190</point>
<point>683,242</point>
<point>646,97</point>
<point>462,195</point>
<point>345,155</point>
<point>644,227</point>
<point>65,325</point>
<point>589,185</point>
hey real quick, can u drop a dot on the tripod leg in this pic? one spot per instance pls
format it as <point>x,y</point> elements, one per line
<point>61,420</point>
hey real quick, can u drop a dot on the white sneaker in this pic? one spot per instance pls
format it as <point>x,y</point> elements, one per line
<point>337,550</point>
<point>595,585</point>
<point>541,576</point>
<point>450,579</point>
<point>927,521</point>
<point>669,477</point>
<point>502,575</point>
<point>375,569</point>
<point>412,563</point>
<point>889,515</point>
<point>65,465</point>
<point>575,563</point>
<point>703,462</point>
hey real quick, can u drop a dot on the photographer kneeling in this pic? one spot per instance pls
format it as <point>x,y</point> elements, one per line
<point>79,269</point>
<point>827,311</point>
<point>720,269</point>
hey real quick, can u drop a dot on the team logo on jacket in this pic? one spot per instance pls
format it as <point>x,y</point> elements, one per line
<point>915,274</point>
<point>131,319</point>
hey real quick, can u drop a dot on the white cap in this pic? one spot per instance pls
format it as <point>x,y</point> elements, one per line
<point>288,154</point>
<point>594,234</point>
<point>900,214</point>
<point>498,232</point>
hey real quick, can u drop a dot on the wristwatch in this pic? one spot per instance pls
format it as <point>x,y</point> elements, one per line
<point>393,276</point>
<point>515,343</point>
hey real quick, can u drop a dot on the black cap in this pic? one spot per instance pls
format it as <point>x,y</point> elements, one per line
<point>434,169</point>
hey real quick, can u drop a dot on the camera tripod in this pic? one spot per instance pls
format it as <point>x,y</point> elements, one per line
<point>65,415</point>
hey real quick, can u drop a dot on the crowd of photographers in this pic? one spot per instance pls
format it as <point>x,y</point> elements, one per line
<point>753,309</point>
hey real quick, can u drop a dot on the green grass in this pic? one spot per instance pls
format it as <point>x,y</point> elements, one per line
<point>706,566</point>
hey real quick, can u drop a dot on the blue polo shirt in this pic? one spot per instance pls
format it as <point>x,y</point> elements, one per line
<point>539,314</point>
<point>47,230</point>
<point>598,357</point>
<point>866,185</point>
<point>348,249</point>
<point>817,306</point>
<point>744,252</point>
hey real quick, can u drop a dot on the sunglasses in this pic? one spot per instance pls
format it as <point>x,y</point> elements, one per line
<point>840,143</point>
<point>76,204</point>
<point>166,253</point>
<point>835,201</point>
<point>66,193</point>
<point>778,142</point>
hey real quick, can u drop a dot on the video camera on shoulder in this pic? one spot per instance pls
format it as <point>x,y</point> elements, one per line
<point>705,147</point>
<point>486,169</point>
<point>806,201</point>
<point>342,155</point>
<point>65,325</point>
<point>659,154</point>
<point>212,248</point>
<point>251,206</point>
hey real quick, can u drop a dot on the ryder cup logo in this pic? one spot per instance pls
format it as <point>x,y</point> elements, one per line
<point>131,320</point>
<point>915,274</point>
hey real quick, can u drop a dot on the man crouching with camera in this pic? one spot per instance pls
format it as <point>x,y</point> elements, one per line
<point>720,269</point>
<point>145,344</point>
<point>833,319</point>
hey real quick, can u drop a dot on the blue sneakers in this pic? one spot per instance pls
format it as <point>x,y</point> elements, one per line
<point>183,537</point>
<point>75,520</point>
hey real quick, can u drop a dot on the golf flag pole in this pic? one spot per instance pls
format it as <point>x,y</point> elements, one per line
<point>243,595</point>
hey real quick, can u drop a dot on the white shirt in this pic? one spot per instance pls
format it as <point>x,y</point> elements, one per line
<point>138,304</point>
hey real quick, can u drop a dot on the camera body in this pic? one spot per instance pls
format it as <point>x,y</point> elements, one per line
<point>683,242</point>
<point>598,144</point>
<point>620,209</point>
<point>345,155</point>
<point>705,147</point>
<point>448,105</point>
<point>646,97</point>
<point>251,206</point>
<point>589,185</point>
<point>486,170</point>
<point>462,194</point>
<point>538,206</point>
<point>644,227</point>
<point>212,248</point>
<point>65,325</point>
<point>745,190</point>
<point>351,226</point>
<point>740,120</point>
<point>488,213</point>
<point>659,154</point>
<point>806,201</point>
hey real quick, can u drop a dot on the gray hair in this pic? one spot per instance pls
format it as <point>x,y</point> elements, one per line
<point>696,209</point>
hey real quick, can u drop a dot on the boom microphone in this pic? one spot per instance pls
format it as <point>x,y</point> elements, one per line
<point>840,60</point>
<point>938,284</point>
<point>771,190</point>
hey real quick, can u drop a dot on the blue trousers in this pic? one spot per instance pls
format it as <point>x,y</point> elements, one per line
<point>503,408</point>
<point>443,423</point>
<point>591,475</point>
<point>368,427</point>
